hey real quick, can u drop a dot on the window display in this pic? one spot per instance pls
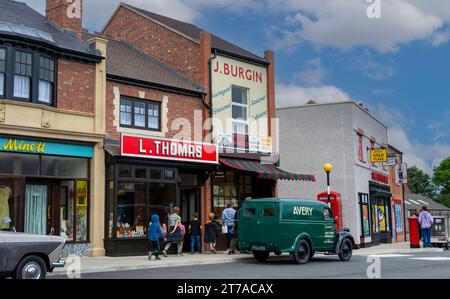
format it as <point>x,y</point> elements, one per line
<point>81,219</point>
<point>131,210</point>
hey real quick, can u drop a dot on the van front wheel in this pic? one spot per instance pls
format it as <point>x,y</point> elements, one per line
<point>261,256</point>
<point>346,250</point>
<point>302,253</point>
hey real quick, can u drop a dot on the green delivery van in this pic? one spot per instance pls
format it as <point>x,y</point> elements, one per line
<point>296,226</point>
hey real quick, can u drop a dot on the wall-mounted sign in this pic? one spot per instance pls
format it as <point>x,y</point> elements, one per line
<point>27,146</point>
<point>378,155</point>
<point>391,161</point>
<point>401,174</point>
<point>380,178</point>
<point>168,149</point>
<point>239,104</point>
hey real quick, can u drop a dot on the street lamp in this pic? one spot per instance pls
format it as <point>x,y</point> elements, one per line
<point>328,168</point>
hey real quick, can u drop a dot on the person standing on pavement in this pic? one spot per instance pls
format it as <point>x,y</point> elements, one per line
<point>426,221</point>
<point>228,220</point>
<point>155,234</point>
<point>234,246</point>
<point>213,229</point>
<point>195,230</point>
<point>174,232</point>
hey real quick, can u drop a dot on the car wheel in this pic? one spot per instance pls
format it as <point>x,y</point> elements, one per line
<point>278,253</point>
<point>31,267</point>
<point>302,252</point>
<point>346,250</point>
<point>261,256</point>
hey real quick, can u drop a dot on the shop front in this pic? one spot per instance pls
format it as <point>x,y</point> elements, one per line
<point>147,176</point>
<point>44,187</point>
<point>376,210</point>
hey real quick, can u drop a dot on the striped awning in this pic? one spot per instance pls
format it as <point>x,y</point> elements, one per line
<point>265,171</point>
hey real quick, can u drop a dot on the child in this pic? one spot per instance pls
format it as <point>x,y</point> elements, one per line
<point>213,230</point>
<point>155,233</point>
<point>196,232</point>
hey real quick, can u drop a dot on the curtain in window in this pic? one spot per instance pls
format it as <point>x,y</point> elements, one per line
<point>2,83</point>
<point>21,87</point>
<point>153,119</point>
<point>45,92</point>
<point>125,113</point>
<point>139,114</point>
<point>36,209</point>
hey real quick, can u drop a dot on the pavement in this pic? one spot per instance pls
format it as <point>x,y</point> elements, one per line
<point>114,264</point>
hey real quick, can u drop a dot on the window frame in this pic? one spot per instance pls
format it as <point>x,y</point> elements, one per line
<point>10,72</point>
<point>146,103</point>
<point>246,106</point>
<point>52,83</point>
<point>360,140</point>
<point>15,73</point>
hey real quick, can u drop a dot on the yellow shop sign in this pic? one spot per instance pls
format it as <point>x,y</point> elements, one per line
<point>15,145</point>
<point>378,155</point>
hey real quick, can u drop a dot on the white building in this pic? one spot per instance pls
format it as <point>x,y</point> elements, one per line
<point>341,134</point>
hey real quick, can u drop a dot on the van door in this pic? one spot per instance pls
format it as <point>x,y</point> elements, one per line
<point>268,222</point>
<point>329,229</point>
<point>2,254</point>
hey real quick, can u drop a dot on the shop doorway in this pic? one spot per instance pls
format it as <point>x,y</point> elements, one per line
<point>189,205</point>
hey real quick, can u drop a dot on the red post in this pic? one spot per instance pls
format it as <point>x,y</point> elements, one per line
<point>414,232</point>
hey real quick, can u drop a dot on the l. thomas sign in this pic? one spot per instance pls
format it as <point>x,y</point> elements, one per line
<point>168,149</point>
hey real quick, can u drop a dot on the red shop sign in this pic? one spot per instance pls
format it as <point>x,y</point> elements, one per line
<point>380,178</point>
<point>168,149</point>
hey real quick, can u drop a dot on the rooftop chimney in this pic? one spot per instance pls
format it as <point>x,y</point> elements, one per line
<point>66,14</point>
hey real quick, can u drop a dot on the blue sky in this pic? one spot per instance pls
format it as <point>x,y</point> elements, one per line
<point>330,50</point>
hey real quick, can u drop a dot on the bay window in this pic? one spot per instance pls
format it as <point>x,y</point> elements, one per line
<point>27,76</point>
<point>139,114</point>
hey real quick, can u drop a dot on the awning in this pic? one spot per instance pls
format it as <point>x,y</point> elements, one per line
<point>265,171</point>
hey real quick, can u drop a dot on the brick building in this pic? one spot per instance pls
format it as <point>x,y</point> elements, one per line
<point>51,126</point>
<point>238,95</point>
<point>398,196</point>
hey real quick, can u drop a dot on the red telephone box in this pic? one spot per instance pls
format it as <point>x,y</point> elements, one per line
<point>336,206</point>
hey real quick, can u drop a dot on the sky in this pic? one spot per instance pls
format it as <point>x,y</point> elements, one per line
<point>393,55</point>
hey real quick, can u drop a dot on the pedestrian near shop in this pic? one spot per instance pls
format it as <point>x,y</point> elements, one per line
<point>155,235</point>
<point>234,246</point>
<point>228,220</point>
<point>416,214</point>
<point>174,232</point>
<point>195,232</point>
<point>213,230</point>
<point>183,233</point>
<point>426,221</point>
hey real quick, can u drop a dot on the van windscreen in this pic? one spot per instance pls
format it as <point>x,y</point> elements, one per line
<point>250,212</point>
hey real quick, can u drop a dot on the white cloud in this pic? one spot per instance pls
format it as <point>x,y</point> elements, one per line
<point>344,24</point>
<point>372,69</point>
<point>294,95</point>
<point>313,74</point>
<point>440,38</point>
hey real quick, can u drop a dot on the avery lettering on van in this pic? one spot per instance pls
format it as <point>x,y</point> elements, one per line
<point>302,211</point>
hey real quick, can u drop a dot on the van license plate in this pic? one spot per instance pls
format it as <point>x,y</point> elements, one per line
<point>259,248</point>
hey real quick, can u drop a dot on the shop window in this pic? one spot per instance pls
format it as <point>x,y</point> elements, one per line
<point>67,211</point>
<point>140,173</point>
<point>110,209</point>
<point>131,210</point>
<point>155,174</point>
<point>125,172</point>
<point>22,74</point>
<point>140,114</point>
<point>2,71</point>
<point>81,204</point>
<point>67,167</point>
<point>46,79</point>
<point>364,210</point>
<point>161,197</point>
<point>269,212</point>
<point>249,212</point>
<point>19,164</point>
<point>225,191</point>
